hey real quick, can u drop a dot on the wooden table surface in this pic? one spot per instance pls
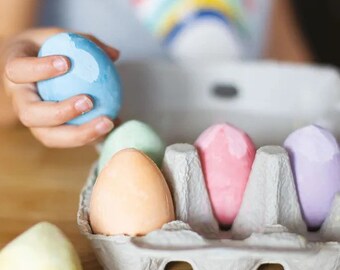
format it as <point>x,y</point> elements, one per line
<point>40,184</point>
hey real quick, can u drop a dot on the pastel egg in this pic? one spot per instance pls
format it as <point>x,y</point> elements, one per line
<point>227,155</point>
<point>315,160</point>
<point>41,247</point>
<point>130,196</point>
<point>92,72</point>
<point>133,134</point>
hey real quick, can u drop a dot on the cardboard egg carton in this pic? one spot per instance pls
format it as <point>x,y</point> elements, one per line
<point>269,227</point>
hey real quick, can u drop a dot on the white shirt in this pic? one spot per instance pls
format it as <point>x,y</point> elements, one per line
<point>116,23</point>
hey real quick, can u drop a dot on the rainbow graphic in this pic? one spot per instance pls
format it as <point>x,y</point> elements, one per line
<point>166,18</point>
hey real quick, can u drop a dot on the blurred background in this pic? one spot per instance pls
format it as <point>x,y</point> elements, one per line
<point>292,30</point>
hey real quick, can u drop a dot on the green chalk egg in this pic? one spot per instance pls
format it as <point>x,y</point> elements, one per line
<point>133,134</point>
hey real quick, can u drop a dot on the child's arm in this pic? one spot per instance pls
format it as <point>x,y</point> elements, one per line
<point>15,17</point>
<point>286,41</point>
<point>22,69</point>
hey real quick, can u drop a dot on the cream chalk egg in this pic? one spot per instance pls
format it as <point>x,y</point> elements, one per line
<point>42,247</point>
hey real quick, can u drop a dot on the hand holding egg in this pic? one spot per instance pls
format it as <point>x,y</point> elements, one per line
<point>92,73</point>
<point>46,119</point>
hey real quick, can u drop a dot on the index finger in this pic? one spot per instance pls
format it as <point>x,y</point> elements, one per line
<point>34,69</point>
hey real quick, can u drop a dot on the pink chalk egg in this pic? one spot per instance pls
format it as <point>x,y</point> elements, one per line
<point>227,155</point>
<point>315,160</point>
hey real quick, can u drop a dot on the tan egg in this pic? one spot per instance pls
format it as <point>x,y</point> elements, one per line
<point>130,196</point>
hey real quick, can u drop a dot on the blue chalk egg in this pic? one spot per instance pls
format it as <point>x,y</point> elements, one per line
<point>92,73</point>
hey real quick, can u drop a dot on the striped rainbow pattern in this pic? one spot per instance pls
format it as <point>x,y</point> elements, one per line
<point>166,18</point>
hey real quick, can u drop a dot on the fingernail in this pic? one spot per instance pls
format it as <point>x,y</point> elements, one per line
<point>104,126</point>
<point>60,64</point>
<point>83,105</point>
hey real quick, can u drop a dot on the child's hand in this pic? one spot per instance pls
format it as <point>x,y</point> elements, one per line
<point>22,69</point>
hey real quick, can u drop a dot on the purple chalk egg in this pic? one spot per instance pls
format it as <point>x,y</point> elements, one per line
<point>315,159</point>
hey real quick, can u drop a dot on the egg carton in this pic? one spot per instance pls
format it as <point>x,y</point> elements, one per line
<point>269,227</point>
